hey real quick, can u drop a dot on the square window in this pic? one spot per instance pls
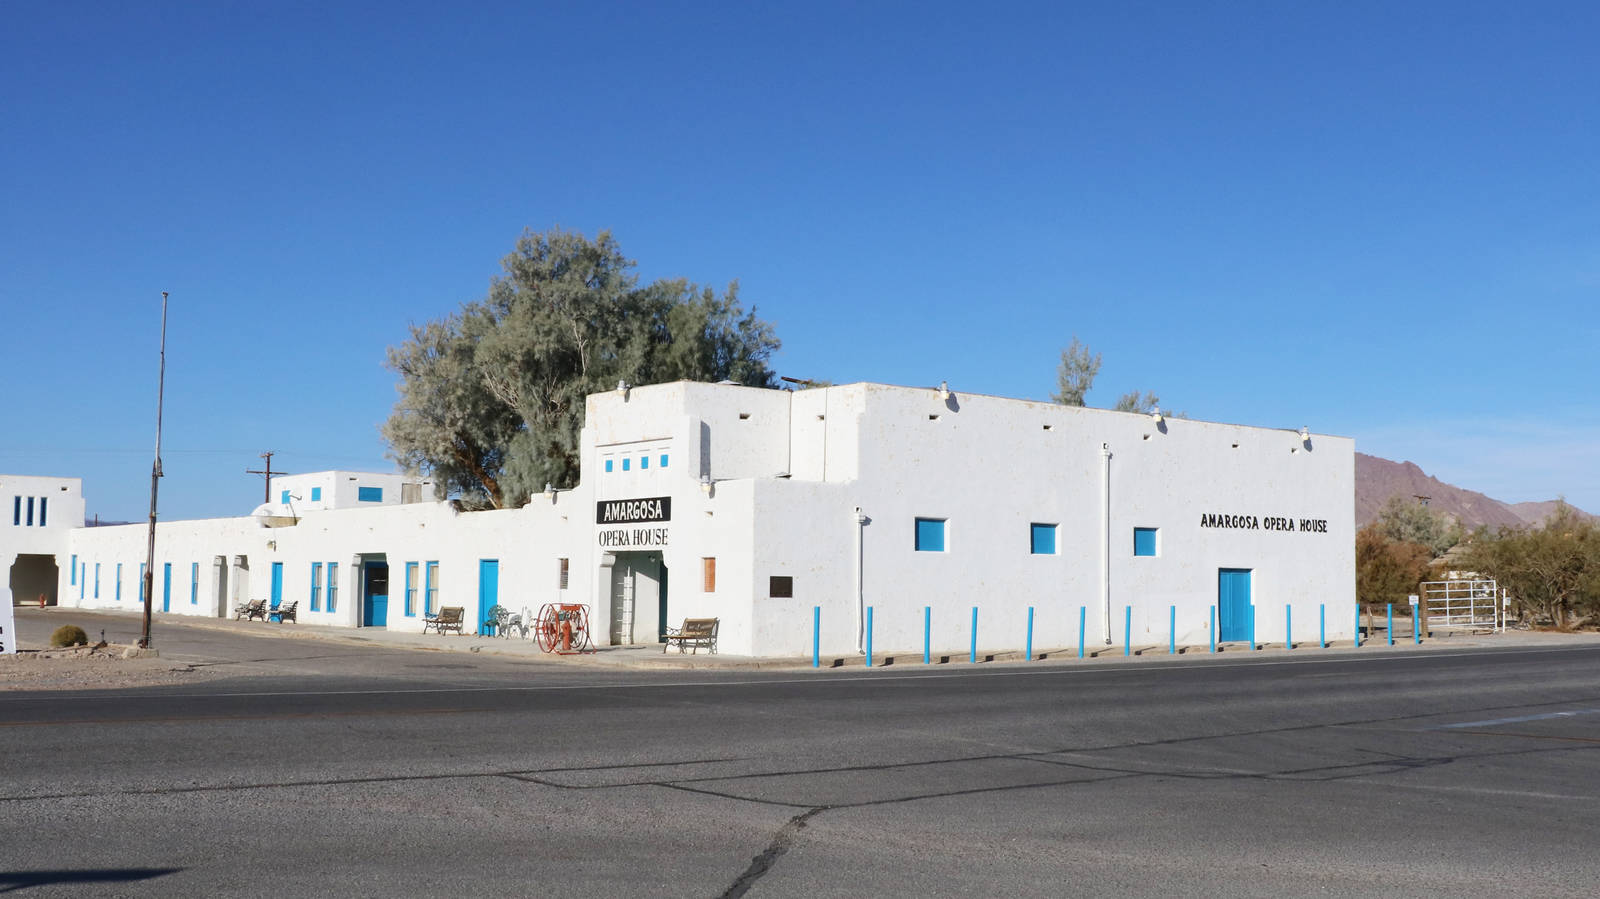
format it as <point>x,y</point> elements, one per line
<point>625,463</point>
<point>316,494</point>
<point>663,460</point>
<point>780,586</point>
<point>1144,541</point>
<point>608,465</point>
<point>644,462</point>
<point>1043,539</point>
<point>930,535</point>
<point>284,497</point>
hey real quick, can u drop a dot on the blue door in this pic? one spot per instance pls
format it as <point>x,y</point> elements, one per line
<point>1233,604</point>
<point>166,587</point>
<point>488,591</point>
<point>277,585</point>
<point>375,594</point>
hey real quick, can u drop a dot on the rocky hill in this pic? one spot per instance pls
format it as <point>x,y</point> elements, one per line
<point>1378,479</point>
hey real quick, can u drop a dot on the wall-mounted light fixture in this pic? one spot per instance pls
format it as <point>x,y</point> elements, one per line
<point>1305,433</point>
<point>622,389</point>
<point>944,390</point>
<point>705,485</point>
<point>549,491</point>
<point>1155,416</point>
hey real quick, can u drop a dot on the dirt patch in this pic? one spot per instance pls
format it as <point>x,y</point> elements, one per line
<point>90,668</point>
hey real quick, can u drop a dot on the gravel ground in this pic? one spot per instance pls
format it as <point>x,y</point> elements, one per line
<point>90,668</point>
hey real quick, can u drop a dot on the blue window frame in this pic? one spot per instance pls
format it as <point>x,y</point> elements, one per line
<point>930,535</point>
<point>411,589</point>
<point>608,465</point>
<point>316,586</point>
<point>194,583</point>
<point>44,506</point>
<point>118,596</point>
<point>644,462</point>
<point>30,511</point>
<point>1042,539</point>
<point>284,497</point>
<point>316,494</point>
<point>663,460</point>
<point>140,592</point>
<point>16,511</point>
<point>625,463</point>
<point>83,580</point>
<point>1144,541</point>
<point>430,592</point>
<point>369,494</point>
<point>97,580</point>
<point>72,575</point>
<point>333,585</point>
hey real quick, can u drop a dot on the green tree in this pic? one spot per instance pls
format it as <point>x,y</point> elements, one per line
<point>1411,521</point>
<point>1552,571</point>
<point>1135,402</point>
<point>1388,570</point>
<point>492,398</point>
<point>1076,373</point>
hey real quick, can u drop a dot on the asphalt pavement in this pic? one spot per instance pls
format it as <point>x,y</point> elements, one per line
<point>336,767</point>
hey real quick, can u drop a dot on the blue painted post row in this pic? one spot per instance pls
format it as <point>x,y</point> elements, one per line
<point>1172,630</point>
<point>1127,630</point>
<point>927,629</point>
<point>1322,625</point>
<point>1253,646</point>
<point>974,635</point>
<point>1391,624</point>
<point>869,636</point>
<point>1213,628</point>
<point>816,636</point>
<point>1082,612</point>
<point>1416,625</point>
<point>1358,625</point>
<point>1030,633</point>
<point>1288,627</point>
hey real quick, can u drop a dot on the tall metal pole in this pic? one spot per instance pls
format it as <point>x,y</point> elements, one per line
<point>155,481</point>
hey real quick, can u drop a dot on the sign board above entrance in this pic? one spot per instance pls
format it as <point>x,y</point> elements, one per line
<point>633,511</point>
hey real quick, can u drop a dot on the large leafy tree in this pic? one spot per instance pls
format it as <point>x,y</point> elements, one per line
<point>492,398</point>
<point>1412,521</point>
<point>1388,570</point>
<point>1551,571</point>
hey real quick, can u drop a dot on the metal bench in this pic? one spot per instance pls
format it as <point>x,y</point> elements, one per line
<point>255,608</point>
<point>695,633</point>
<point>450,618</point>
<point>285,612</point>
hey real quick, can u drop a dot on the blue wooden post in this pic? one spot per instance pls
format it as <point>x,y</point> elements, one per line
<point>927,629</point>
<point>1288,627</point>
<point>869,636</point>
<point>1416,625</point>
<point>816,636</point>
<point>1127,630</point>
<point>1172,630</point>
<point>974,634</point>
<point>1252,627</point>
<point>1213,628</point>
<point>1082,612</point>
<point>1030,633</point>
<point>1358,625</point>
<point>1391,624</point>
<point>1322,625</point>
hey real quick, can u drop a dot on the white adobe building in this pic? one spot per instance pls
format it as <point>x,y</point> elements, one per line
<point>774,511</point>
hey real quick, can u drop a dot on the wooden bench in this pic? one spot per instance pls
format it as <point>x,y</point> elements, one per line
<point>695,633</point>
<point>450,618</point>
<point>285,612</point>
<point>250,610</point>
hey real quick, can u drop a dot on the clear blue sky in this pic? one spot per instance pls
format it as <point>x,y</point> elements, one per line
<point>1380,220</point>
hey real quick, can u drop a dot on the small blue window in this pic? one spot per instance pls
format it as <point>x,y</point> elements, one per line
<point>16,511</point>
<point>194,583</point>
<point>30,511</point>
<point>44,504</point>
<point>72,575</point>
<point>644,462</point>
<point>663,460</point>
<point>97,580</point>
<point>316,494</point>
<point>119,582</point>
<point>625,464</point>
<point>930,535</point>
<point>608,465</point>
<point>283,497</point>
<point>1144,541</point>
<point>1043,539</point>
<point>369,494</point>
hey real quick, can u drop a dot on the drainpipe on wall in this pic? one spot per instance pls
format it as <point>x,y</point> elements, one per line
<point>861,600</point>
<point>1105,542</point>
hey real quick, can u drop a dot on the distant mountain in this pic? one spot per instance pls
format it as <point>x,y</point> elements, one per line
<point>1378,479</point>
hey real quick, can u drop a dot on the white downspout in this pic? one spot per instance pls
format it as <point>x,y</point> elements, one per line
<point>861,599</point>
<point>1105,541</point>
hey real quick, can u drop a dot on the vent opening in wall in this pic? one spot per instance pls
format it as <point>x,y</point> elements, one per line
<point>1147,436</point>
<point>744,416</point>
<point>780,586</point>
<point>1049,427</point>
<point>933,418</point>
<point>1236,446</point>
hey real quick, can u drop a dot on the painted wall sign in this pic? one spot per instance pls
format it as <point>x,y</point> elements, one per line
<point>633,511</point>
<point>627,538</point>
<point>1265,523</point>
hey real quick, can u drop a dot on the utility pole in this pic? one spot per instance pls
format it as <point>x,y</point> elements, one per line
<point>155,481</point>
<point>267,496</point>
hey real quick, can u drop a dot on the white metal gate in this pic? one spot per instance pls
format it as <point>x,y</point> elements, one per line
<point>1464,604</point>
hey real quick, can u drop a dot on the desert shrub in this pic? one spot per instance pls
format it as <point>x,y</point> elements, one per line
<point>68,635</point>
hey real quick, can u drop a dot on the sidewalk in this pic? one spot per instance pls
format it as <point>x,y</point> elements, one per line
<point>650,655</point>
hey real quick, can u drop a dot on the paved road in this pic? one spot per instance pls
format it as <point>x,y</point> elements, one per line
<point>326,770</point>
